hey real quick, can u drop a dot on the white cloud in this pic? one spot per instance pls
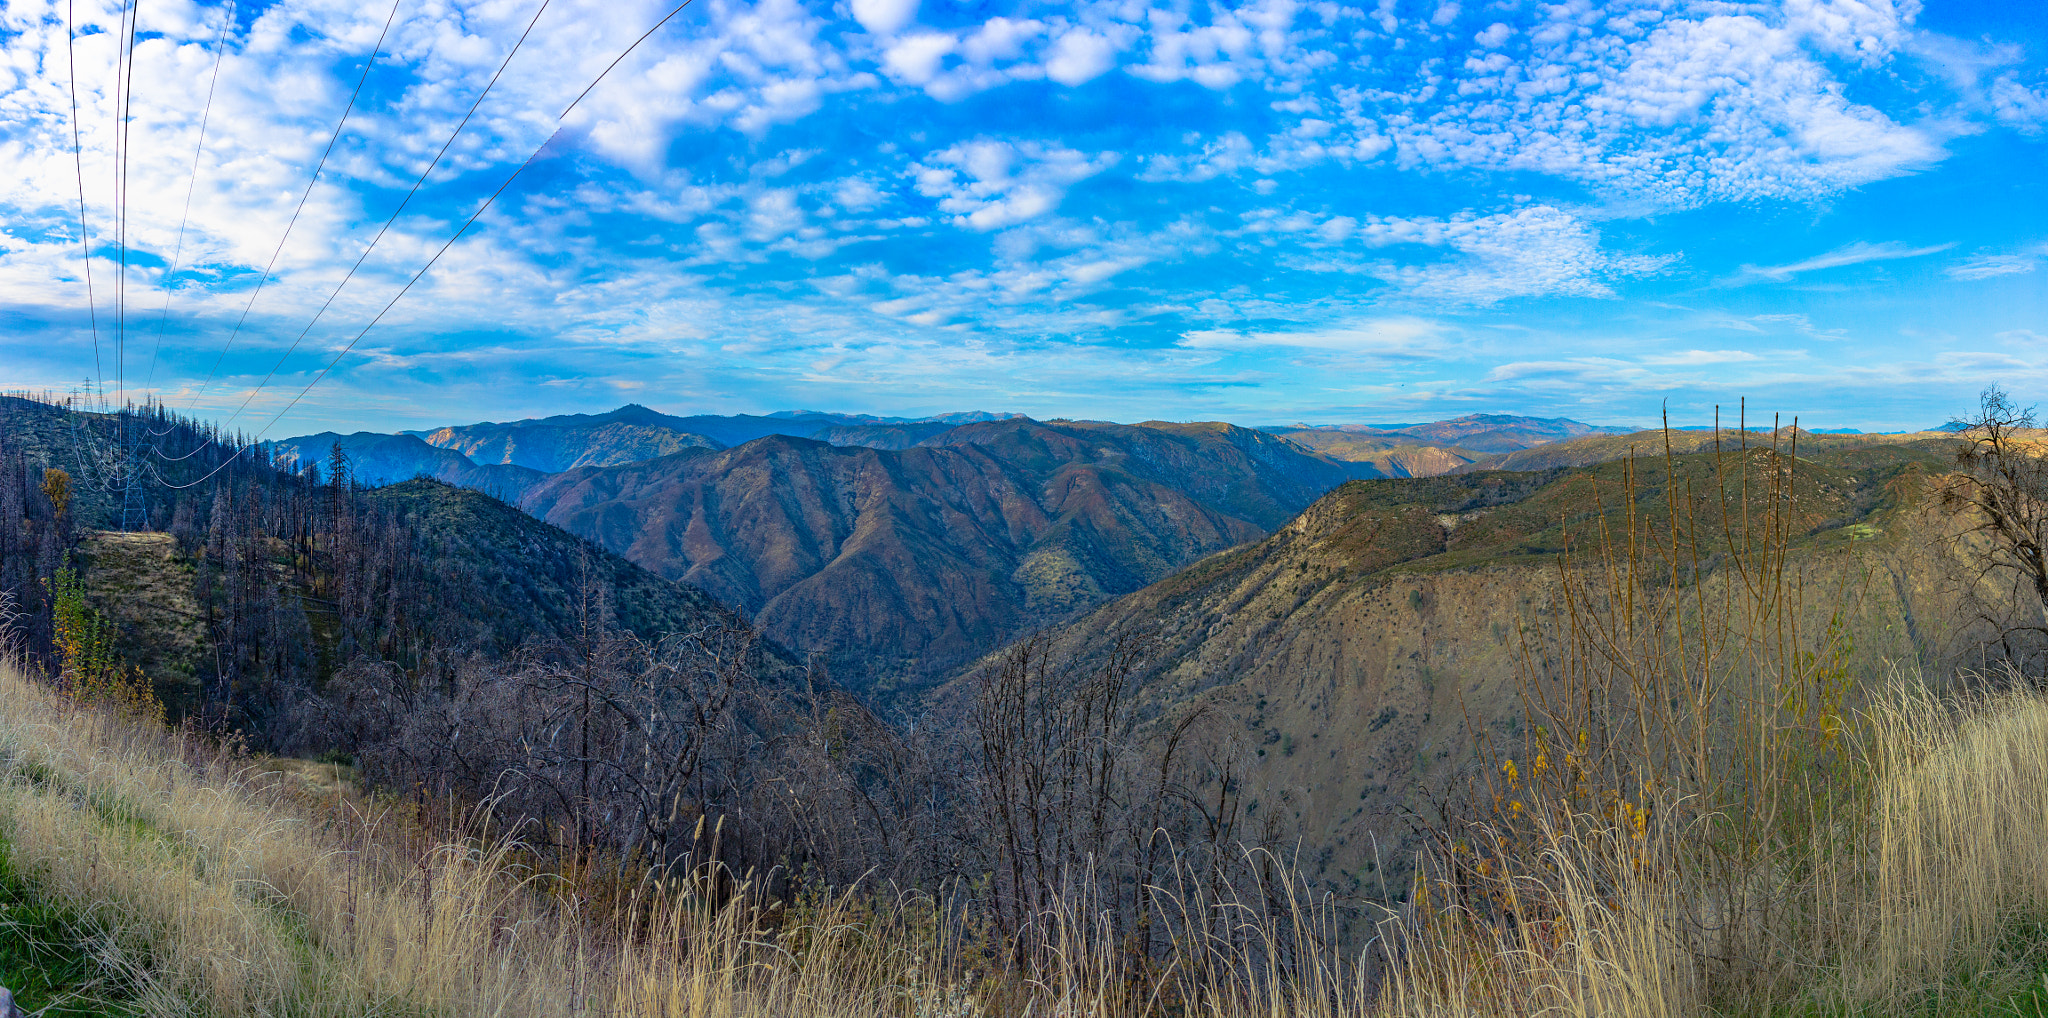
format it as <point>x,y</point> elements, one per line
<point>1079,55</point>
<point>1404,338</point>
<point>1257,41</point>
<point>858,194</point>
<point>2017,105</point>
<point>1852,254</point>
<point>1530,252</point>
<point>1692,358</point>
<point>1866,30</point>
<point>1724,104</point>
<point>1000,38</point>
<point>1218,157</point>
<point>989,184</point>
<point>1993,265</point>
<point>915,60</point>
<point>884,17</point>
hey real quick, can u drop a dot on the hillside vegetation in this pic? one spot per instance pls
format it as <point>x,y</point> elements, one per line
<point>1358,657</point>
<point>898,566</point>
<point>1653,736</point>
<point>159,876</point>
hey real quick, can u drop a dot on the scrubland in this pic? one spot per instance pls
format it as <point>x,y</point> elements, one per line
<point>191,879</point>
<point>1702,809</point>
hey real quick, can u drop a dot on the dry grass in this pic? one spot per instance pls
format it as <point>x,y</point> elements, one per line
<point>1708,813</point>
<point>1926,899</point>
<point>1957,864</point>
<point>234,890</point>
<point>238,889</point>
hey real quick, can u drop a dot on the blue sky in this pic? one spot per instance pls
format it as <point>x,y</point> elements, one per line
<point>1383,210</point>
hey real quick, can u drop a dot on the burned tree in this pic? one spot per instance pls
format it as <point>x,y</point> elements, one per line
<point>2000,492</point>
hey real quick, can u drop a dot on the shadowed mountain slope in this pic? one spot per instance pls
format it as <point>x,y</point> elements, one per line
<point>514,577</point>
<point>551,449</point>
<point>633,433</point>
<point>376,459</point>
<point>900,565</point>
<point>1354,656</point>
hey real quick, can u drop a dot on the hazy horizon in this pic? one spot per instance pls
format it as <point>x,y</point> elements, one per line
<point>1389,211</point>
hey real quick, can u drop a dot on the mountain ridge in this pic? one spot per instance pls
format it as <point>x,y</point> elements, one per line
<point>1353,657</point>
<point>905,562</point>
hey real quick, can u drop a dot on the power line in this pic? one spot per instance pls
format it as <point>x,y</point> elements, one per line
<point>124,97</point>
<point>615,62</point>
<point>416,184</point>
<point>132,508</point>
<point>332,139</point>
<point>393,302</point>
<point>78,165</point>
<point>192,183</point>
<point>467,223</point>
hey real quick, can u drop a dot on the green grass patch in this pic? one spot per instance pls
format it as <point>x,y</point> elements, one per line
<point>46,953</point>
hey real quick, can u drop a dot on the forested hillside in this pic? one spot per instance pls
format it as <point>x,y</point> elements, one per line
<point>441,639</point>
<point>900,565</point>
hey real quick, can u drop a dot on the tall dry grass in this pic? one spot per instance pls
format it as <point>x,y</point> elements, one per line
<point>1712,809</point>
<point>238,896</point>
<point>241,892</point>
<point>1957,856</point>
<point>1928,896</point>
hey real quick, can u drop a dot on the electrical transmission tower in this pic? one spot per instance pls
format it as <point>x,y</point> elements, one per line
<point>134,510</point>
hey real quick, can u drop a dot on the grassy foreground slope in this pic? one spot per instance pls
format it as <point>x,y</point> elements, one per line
<point>163,877</point>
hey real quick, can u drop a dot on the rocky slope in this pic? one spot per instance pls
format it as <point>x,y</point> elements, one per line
<point>901,565</point>
<point>1352,657</point>
<point>1386,455</point>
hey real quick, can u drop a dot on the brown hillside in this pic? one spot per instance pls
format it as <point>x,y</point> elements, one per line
<point>1590,449</point>
<point>901,565</point>
<point>1353,653</point>
<point>1385,455</point>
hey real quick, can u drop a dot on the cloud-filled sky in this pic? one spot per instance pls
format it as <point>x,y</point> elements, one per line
<point>1359,211</point>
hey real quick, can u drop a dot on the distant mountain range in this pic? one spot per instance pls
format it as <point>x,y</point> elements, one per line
<point>904,547</point>
<point>902,564</point>
<point>1471,434</point>
<point>633,433</point>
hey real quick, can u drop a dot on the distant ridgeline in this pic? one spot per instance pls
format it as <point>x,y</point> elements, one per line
<point>898,549</point>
